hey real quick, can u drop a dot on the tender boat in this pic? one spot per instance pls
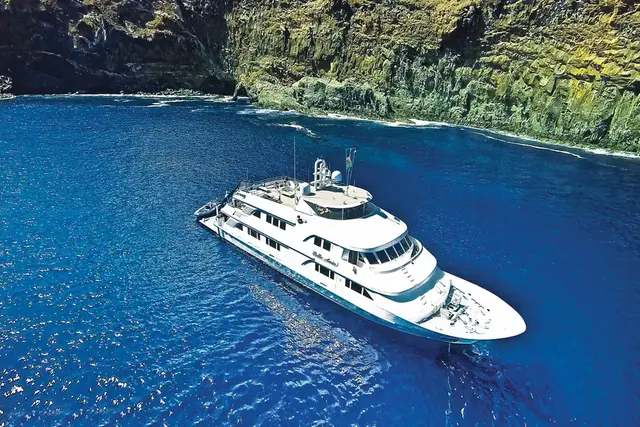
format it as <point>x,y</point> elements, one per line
<point>207,210</point>
<point>331,238</point>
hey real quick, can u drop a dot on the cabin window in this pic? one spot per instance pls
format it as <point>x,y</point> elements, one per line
<point>353,257</point>
<point>357,288</point>
<point>256,214</point>
<point>324,244</point>
<point>324,270</point>
<point>253,233</point>
<point>273,244</point>
<point>239,226</point>
<point>276,222</point>
<point>371,257</point>
<point>383,256</point>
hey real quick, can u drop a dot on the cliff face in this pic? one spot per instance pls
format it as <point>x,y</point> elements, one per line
<point>567,70</point>
<point>54,46</point>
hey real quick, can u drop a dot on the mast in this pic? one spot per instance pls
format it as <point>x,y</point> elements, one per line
<point>350,157</point>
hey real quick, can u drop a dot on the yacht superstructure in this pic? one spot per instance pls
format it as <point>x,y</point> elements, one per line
<point>331,238</point>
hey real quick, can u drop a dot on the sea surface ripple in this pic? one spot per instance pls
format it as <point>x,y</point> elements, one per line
<point>116,308</point>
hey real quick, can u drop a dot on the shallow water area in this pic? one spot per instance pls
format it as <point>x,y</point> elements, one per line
<point>115,307</point>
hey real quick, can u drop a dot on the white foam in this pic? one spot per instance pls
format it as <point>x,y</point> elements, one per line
<point>537,147</point>
<point>218,99</point>
<point>345,117</point>
<point>292,125</point>
<point>395,124</point>
<point>250,110</point>
<point>599,151</point>
<point>414,123</point>
<point>434,124</point>
<point>299,128</point>
<point>605,152</point>
<point>157,104</point>
<point>256,111</point>
<point>427,123</point>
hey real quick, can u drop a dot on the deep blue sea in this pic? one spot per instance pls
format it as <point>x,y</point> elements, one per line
<point>116,308</point>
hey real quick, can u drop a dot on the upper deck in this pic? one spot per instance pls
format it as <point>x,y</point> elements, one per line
<point>339,196</point>
<point>332,200</point>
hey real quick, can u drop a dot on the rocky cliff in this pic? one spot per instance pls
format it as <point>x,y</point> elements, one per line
<point>567,70</point>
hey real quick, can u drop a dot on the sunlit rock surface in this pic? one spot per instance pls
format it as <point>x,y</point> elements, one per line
<point>556,69</point>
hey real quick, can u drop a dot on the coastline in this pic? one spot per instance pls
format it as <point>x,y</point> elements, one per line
<point>408,123</point>
<point>416,123</point>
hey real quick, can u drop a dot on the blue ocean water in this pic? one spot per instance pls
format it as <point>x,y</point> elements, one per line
<point>115,308</point>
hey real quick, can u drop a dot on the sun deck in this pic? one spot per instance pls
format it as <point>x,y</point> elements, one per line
<point>339,196</point>
<point>284,190</point>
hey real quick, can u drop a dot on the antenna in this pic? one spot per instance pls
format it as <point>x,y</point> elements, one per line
<point>294,159</point>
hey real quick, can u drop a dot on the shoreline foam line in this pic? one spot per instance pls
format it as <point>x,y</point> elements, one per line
<point>415,122</point>
<point>537,147</point>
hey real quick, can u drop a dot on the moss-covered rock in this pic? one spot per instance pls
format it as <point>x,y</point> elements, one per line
<point>565,70</point>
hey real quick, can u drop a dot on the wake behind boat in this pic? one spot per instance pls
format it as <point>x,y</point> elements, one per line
<point>331,238</point>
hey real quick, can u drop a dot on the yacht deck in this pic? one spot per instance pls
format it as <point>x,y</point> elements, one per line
<point>339,196</point>
<point>282,190</point>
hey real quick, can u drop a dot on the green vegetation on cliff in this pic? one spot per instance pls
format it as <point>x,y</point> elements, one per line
<point>565,70</point>
<point>562,70</point>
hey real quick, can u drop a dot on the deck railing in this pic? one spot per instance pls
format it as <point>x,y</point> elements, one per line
<point>254,185</point>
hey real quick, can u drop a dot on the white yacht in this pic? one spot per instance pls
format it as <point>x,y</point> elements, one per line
<point>330,237</point>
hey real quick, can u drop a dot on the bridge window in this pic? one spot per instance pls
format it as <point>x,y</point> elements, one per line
<point>392,253</point>
<point>324,270</point>
<point>256,213</point>
<point>399,249</point>
<point>239,226</point>
<point>405,243</point>
<point>382,255</point>
<point>371,257</point>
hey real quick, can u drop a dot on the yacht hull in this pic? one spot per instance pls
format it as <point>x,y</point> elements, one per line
<point>384,318</point>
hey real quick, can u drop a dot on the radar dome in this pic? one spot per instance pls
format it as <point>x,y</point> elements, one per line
<point>336,176</point>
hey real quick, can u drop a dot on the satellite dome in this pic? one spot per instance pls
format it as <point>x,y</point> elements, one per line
<point>336,176</point>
